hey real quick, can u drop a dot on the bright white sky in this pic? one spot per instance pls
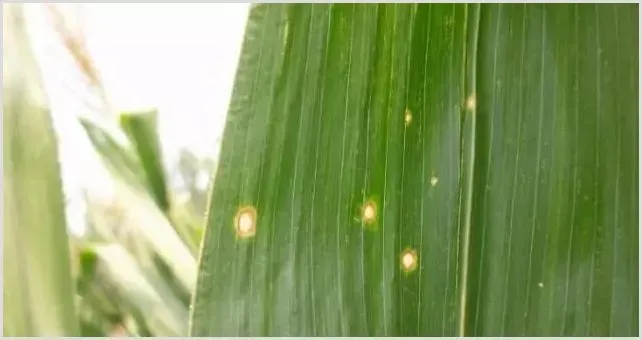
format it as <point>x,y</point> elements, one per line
<point>179,58</point>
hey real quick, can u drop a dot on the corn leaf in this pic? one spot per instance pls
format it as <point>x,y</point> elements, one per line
<point>136,164</point>
<point>427,170</point>
<point>141,128</point>
<point>37,284</point>
<point>136,291</point>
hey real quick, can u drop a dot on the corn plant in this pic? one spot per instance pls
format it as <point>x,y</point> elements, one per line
<point>385,170</point>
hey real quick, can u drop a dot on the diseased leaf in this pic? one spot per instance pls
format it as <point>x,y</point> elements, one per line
<point>427,170</point>
<point>555,214</point>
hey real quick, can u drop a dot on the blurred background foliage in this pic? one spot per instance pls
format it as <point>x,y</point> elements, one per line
<point>134,263</point>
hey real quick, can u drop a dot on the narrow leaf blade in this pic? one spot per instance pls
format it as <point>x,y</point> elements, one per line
<point>141,128</point>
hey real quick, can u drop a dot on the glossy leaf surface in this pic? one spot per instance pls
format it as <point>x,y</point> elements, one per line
<point>427,170</point>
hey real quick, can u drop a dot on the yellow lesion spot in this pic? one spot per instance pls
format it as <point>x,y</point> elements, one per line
<point>471,102</point>
<point>433,179</point>
<point>245,222</point>
<point>369,212</point>
<point>407,117</point>
<point>409,260</point>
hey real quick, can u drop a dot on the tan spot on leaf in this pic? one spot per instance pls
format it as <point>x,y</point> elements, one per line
<point>407,117</point>
<point>245,222</point>
<point>409,260</point>
<point>471,102</point>
<point>369,212</point>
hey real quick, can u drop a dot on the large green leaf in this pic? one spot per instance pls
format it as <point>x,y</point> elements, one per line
<point>555,211</point>
<point>37,283</point>
<point>429,169</point>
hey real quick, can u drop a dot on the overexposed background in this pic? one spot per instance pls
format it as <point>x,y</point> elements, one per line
<point>178,58</point>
